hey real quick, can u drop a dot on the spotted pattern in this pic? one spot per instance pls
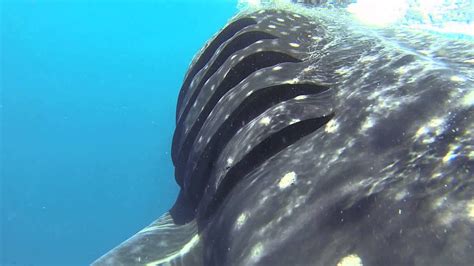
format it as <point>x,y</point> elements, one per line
<point>396,158</point>
<point>356,148</point>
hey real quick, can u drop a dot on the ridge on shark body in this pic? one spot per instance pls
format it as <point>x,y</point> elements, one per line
<point>302,140</point>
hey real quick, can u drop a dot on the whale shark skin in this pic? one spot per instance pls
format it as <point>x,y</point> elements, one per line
<point>306,140</point>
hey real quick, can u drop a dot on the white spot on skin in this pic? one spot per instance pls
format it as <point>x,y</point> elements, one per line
<point>280,108</point>
<point>401,195</point>
<point>280,19</point>
<point>287,180</point>
<point>292,44</point>
<point>351,260</point>
<point>295,28</point>
<point>343,70</point>
<point>241,220</point>
<point>265,121</point>
<point>259,42</point>
<point>468,99</point>
<point>367,59</point>
<point>301,97</point>
<point>292,81</point>
<point>457,79</point>
<point>277,68</point>
<point>230,160</point>
<point>428,140</point>
<point>369,122</point>
<point>257,251</point>
<point>331,126</point>
<point>438,203</point>
<point>427,132</point>
<point>451,154</point>
<point>272,26</point>
<point>470,210</point>
<point>402,70</point>
<point>294,121</point>
<point>307,69</point>
<point>435,122</point>
<point>421,131</point>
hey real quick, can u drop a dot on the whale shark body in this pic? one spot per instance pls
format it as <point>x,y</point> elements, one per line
<point>305,140</point>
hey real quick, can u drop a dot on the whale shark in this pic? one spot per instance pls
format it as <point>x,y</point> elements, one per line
<point>305,139</point>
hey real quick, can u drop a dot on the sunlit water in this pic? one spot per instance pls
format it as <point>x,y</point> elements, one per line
<point>88,105</point>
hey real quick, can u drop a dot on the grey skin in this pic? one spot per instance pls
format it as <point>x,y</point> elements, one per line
<point>314,141</point>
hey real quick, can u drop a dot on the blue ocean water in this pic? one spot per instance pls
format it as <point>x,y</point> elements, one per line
<point>88,100</point>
